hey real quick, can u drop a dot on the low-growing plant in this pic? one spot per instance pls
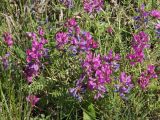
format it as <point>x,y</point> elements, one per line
<point>90,60</point>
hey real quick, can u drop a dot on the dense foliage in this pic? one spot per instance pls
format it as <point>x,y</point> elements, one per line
<point>80,59</point>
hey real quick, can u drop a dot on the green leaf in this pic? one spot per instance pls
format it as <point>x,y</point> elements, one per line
<point>89,114</point>
<point>19,52</point>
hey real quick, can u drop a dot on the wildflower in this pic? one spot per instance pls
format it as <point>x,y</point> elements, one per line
<point>41,31</point>
<point>157,26</point>
<point>61,39</point>
<point>91,6</point>
<point>71,23</point>
<point>113,60</point>
<point>155,14</point>
<point>5,61</point>
<point>124,86</point>
<point>125,79</point>
<point>37,50</point>
<point>32,99</point>
<point>75,40</point>
<point>146,76</point>
<point>32,35</point>
<point>110,30</point>
<point>31,71</point>
<point>139,43</point>
<point>67,3</point>
<point>115,66</point>
<point>35,54</point>
<point>79,89</point>
<point>8,39</point>
<point>73,50</point>
<point>142,18</point>
<point>98,72</point>
<point>158,30</point>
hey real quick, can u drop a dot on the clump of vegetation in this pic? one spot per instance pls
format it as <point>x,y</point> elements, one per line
<point>84,59</point>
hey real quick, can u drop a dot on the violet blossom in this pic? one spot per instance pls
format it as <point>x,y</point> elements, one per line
<point>158,30</point>
<point>67,3</point>
<point>35,54</point>
<point>5,61</point>
<point>142,17</point>
<point>125,85</point>
<point>155,14</point>
<point>8,39</point>
<point>109,30</point>
<point>146,76</point>
<point>32,99</point>
<point>79,89</point>
<point>91,6</point>
<point>61,39</point>
<point>139,43</point>
<point>113,60</point>
<point>31,71</point>
<point>75,40</point>
<point>98,72</point>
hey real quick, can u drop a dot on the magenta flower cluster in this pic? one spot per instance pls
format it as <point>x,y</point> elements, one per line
<point>35,54</point>
<point>98,74</point>
<point>98,71</point>
<point>32,99</point>
<point>146,76</point>
<point>8,39</point>
<point>91,6</point>
<point>74,39</point>
<point>139,43</point>
<point>155,14</point>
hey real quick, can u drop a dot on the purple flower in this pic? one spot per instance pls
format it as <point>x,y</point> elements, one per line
<point>74,39</point>
<point>61,39</point>
<point>37,50</point>
<point>5,61</point>
<point>91,6</point>
<point>32,99</point>
<point>113,60</point>
<point>98,73</point>
<point>157,26</point>
<point>125,79</point>
<point>79,89</point>
<point>8,39</point>
<point>155,14</point>
<point>40,31</point>
<point>139,43</point>
<point>67,3</point>
<point>96,62</point>
<point>110,30</point>
<point>146,76</point>
<point>124,86</point>
<point>142,17</point>
<point>71,23</point>
<point>35,54</point>
<point>158,30</point>
<point>31,71</point>
<point>110,57</point>
<point>32,35</point>
<point>73,49</point>
<point>115,66</point>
